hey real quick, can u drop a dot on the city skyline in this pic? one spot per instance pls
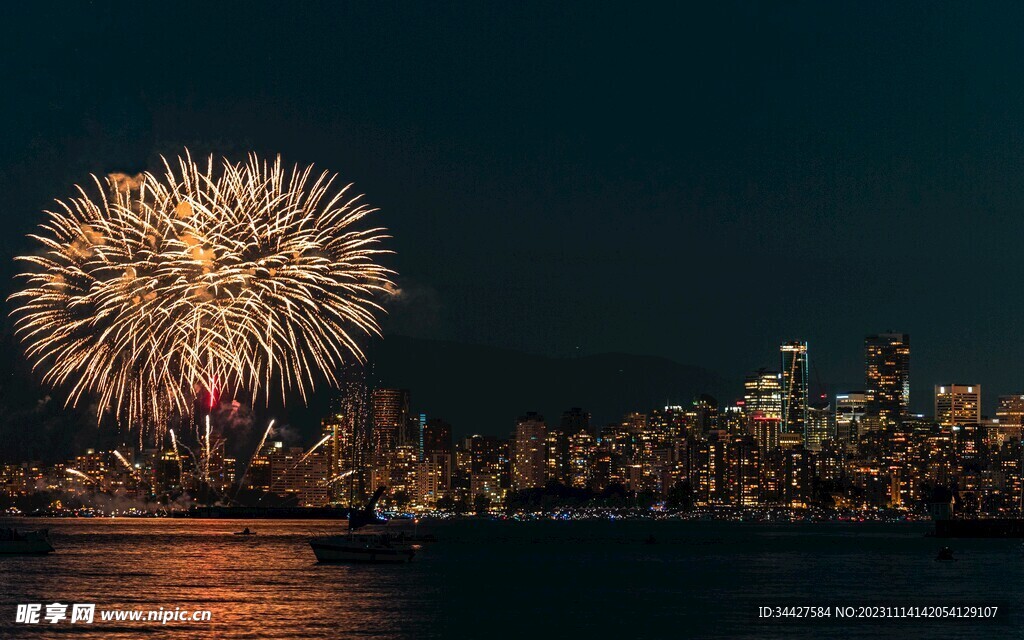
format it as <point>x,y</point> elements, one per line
<point>725,393</point>
<point>703,454</point>
<point>740,452</point>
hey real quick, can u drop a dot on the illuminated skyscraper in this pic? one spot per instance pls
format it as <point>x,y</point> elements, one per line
<point>820,427</point>
<point>1011,410</point>
<point>582,448</point>
<point>529,450</point>
<point>706,408</point>
<point>437,449</point>
<point>850,410</point>
<point>557,456</point>
<point>733,419</point>
<point>957,404</point>
<point>887,377</point>
<point>413,435</point>
<point>762,392</point>
<point>345,429</point>
<point>744,471</point>
<point>765,431</point>
<point>794,387</point>
<point>437,437</point>
<point>488,469</point>
<point>390,409</point>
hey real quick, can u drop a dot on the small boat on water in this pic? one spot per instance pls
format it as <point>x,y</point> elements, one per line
<point>370,548</point>
<point>24,543</point>
<point>945,555</point>
<point>245,532</point>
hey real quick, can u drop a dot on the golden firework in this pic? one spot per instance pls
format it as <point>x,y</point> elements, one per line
<point>207,280</point>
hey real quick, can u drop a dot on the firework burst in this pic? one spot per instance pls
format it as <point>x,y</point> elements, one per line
<point>203,282</point>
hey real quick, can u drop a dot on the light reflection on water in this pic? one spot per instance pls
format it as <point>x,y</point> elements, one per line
<point>522,580</point>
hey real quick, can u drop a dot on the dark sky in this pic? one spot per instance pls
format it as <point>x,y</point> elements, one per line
<point>695,182</point>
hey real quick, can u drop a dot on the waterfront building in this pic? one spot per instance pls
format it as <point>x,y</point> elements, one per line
<point>557,456</point>
<point>529,468</point>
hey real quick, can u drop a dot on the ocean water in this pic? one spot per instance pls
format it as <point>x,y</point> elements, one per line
<point>486,579</point>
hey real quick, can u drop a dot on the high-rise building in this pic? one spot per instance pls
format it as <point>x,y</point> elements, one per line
<point>794,387</point>
<point>820,427</point>
<point>1011,410</point>
<point>582,448</point>
<point>437,449</point>
<point>762,392</point>
<point>957,404</point>
<point>733,419</point>
<point>390,410</point>
<point>850,410</point>
<point>294,472</point>
<point>670,420</point>
<point>340,455</point>
<point>744,457</point>
<point>887,377</point>
<point>345,428</point>
<point>529,450</point>
<point>485,464</point>
<point>437,437</point>
<point>557,456</point>
<point>706,408</point>
<point>795,477</point>
<point>414,433</point>
<point>766,431</point>
<point>635,422</point>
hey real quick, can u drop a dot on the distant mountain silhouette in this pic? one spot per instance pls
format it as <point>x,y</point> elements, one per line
<point>477,389</point>
<point>481,389</point>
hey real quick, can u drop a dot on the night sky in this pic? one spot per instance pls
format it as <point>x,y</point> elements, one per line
<point>697,183</point>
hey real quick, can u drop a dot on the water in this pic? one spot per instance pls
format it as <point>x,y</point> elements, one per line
<point>513,580</point>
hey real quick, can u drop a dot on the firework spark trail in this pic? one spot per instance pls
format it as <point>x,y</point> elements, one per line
<point>259,447</point>
<point>208,279</point>
<point>340,476</point>
<point>198,470</point>
<point>206,464</point>
<point>135,472</point>
<point>177,454</point>
<point>315,447</point>
<point>79,474</point>
<point>301,460</point>
<point>124,461</point>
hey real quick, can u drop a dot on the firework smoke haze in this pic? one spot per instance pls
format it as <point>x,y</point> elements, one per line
<point>206,281</point>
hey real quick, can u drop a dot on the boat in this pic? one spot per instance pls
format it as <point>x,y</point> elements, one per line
<point>245,532</point>
<point>23,543</point>
<point>945,555</point>
<point>372,548</point>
